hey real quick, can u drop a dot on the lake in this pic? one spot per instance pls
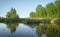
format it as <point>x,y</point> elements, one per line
<point>27,30</point>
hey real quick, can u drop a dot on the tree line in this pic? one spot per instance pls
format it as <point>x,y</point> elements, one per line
<point>50,11</point>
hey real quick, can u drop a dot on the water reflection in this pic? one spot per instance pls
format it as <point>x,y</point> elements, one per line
<point>32,30</point>
<point>49,30</point>
<point>16,30</point>
<point>12,27</point>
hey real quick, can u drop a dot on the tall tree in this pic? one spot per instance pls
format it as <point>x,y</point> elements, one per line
<point>12,14</point>
<point>40,11</point>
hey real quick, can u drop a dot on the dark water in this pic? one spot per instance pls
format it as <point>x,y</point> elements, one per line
<point>29,30</point>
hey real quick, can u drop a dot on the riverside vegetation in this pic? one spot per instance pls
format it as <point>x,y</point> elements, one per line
<point>49,13</point>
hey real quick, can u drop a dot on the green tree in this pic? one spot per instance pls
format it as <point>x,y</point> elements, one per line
<point>57,4</point>
<point>40,11</point>
<point>12,14</point>
<point>32,15</point>
<point>51,10</point>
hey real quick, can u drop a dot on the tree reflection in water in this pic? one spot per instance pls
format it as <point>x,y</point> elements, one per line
<point>12,27</point>
<point>50,30</point>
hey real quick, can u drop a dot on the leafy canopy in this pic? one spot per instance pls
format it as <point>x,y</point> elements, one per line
<point>12,14</point>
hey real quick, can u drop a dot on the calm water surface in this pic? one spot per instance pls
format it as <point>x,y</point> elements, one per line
<point>17,30</point>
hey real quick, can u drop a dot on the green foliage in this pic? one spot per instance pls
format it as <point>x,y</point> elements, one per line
<point>40,11</point>
<point>12,14</point>
<point>2,19</point>
<point>51,11</point>
<point>32,15</point>
<point>57,3</point>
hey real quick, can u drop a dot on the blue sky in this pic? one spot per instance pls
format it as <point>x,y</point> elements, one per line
<point>23,7</point>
